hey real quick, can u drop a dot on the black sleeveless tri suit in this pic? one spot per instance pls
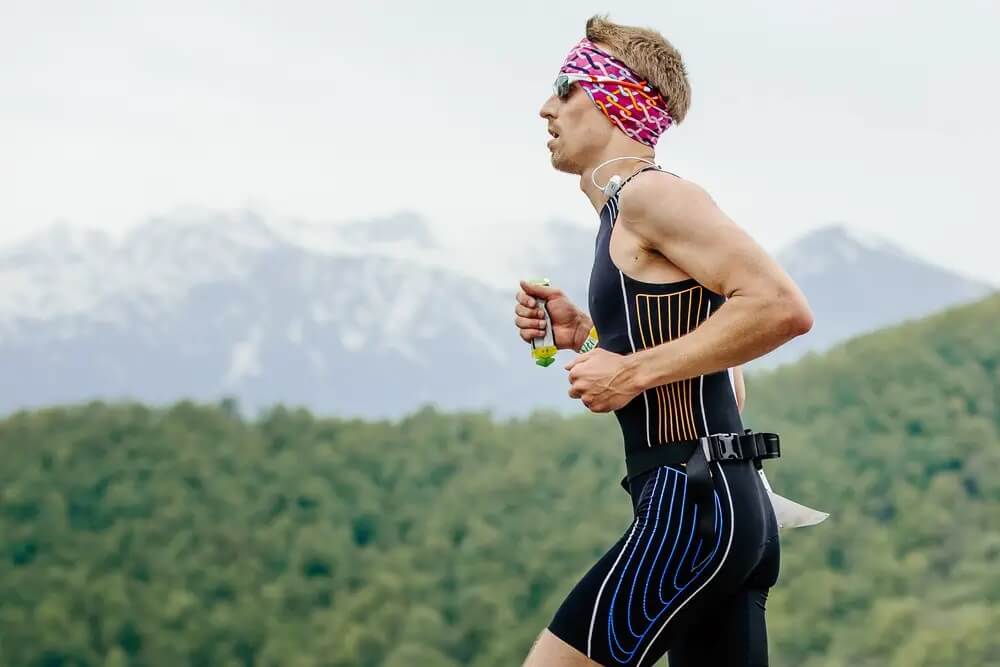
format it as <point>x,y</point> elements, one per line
<point>661,588</point>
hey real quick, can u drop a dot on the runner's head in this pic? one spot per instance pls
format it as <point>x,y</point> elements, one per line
<point>617,91</point>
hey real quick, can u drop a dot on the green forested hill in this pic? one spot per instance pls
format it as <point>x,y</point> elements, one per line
<point>898,435</point>
<point>190,536</point>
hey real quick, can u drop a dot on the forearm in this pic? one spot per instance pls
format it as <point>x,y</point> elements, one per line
<point>583,327</point>
<point>743,329</point>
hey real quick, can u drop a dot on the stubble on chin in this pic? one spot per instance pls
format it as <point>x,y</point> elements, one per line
<point>561,163</point>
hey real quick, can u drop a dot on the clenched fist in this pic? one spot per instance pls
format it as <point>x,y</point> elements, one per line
<point>570,325</point>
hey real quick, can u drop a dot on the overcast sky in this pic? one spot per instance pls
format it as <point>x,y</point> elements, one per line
<point>882,114</point>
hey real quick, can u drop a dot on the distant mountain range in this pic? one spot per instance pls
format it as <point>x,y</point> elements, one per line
<point>857,283</point>
<point>368,319</point>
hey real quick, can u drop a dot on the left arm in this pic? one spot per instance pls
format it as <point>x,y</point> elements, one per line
<point>741,390</point>
<point>764,308</point>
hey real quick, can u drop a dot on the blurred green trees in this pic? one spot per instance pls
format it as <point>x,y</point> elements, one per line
<point>190,536</point>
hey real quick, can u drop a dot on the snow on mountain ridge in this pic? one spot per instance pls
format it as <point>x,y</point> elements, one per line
<point>66,270</point>
<point>404,226</point>
<point>194,227</point>
<point>377,296</point>
<point>61,241</point>
<point>822,248</point>
<point>203,304</point>
<point>407,239</point>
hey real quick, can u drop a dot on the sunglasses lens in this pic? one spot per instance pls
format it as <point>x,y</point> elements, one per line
<point>561,86</point>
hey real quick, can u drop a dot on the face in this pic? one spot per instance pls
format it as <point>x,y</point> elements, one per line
<point>582,131</point>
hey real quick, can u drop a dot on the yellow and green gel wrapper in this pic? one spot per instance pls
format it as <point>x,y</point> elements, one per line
<point>543,348</point>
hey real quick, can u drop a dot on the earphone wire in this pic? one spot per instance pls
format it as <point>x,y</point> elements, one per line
<point>616,179</point>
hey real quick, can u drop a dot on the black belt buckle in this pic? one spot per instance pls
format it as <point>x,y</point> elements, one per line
<point>725,446</point>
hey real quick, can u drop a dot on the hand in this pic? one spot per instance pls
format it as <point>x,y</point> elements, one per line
<point>569,326</point>
<point>601,380</point>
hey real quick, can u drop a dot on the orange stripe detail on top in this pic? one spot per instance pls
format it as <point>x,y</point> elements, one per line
<point>675,402</point>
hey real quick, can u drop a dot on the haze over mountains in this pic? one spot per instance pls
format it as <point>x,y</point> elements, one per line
<point>371,318</point>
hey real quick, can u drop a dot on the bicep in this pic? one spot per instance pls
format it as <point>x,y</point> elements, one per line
<point>680,220</point>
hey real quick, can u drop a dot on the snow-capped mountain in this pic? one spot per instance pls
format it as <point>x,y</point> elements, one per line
<point>857,282</point>
<point>372,318</point>
<point>210,305</point>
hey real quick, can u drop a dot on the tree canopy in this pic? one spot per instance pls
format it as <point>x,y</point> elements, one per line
<point>189,535</point>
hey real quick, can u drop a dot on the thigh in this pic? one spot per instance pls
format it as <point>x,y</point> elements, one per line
<point>734,635</point>
<point>639,598</point>
<point>734,632</point>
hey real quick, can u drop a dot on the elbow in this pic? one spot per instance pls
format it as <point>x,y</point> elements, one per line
<point>793,314</point>
<point>798,320</point>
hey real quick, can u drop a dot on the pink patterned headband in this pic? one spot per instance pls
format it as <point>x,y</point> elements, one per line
<point>637,110</point>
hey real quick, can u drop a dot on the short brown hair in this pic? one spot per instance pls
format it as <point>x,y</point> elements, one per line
<point>650,55</point>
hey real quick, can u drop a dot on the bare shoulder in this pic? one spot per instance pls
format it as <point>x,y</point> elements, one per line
<point>679,219</point>
<point>658,178</point>
<point>654,199</point>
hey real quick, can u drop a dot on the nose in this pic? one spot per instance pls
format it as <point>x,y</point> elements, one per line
<point>548,110</point>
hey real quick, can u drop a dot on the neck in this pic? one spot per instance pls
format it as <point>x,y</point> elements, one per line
<point>623,168</point>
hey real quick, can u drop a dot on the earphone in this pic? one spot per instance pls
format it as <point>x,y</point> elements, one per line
<point>614,184</point>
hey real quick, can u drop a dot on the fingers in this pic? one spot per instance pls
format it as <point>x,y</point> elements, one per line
<point>529,318</point>
<point>574,392</point>
<point>525,311</point>
<point>527,324</point>
<point>539,290</point>
<point>525,300</point>
<point>577,359</point>
<point>530,329</point>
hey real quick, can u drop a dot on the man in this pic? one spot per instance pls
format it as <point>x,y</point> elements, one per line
<point>679,295</point>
